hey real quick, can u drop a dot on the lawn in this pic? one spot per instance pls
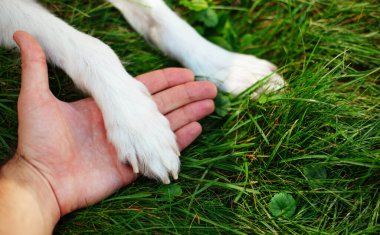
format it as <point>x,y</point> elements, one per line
<point>303,161</point>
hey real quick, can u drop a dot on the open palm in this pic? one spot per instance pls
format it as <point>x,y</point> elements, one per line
<point>67,143</point>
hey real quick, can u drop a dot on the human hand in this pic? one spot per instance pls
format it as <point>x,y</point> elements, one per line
<point>63,146</point>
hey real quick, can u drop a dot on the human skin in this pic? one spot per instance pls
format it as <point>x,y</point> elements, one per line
<point>63,160</point>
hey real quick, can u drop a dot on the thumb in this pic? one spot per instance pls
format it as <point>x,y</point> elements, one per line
<point>34,77</point>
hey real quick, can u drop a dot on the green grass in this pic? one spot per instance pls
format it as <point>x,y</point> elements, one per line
<point>317,141</point>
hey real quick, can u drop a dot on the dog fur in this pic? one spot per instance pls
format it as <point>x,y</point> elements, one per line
<point>140,134</point>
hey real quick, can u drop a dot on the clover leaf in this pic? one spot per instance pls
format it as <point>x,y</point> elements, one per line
<point>195,5</point>
<point>282,204</point>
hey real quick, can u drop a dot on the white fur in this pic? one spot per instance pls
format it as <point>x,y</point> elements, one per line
<point>231,72</point>
<point>141,135</point>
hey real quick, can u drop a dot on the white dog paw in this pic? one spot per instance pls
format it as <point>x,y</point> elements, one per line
<point>238,72</point>
<point>142,135</point>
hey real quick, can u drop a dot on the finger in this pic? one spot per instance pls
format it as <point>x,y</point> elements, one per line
<point>175,97</point>
<point>34,78</point>
<point>159,80</point>
<point>187,134</point>
<point>126,173</point>
<point>190,113</point>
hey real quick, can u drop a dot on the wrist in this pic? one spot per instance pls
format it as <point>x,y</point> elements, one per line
<point>27,202</point>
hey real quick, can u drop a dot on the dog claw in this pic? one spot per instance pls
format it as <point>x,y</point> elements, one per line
<point>166,180</point>
<point>175,175</point>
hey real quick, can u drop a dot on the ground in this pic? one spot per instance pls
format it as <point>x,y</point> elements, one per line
<point>313,149</point>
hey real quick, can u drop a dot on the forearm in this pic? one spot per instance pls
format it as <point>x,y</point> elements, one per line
<point>27,203</point>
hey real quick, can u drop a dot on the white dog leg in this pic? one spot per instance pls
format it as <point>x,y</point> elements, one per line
<point>232,72</point>
<point>141,135</point>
